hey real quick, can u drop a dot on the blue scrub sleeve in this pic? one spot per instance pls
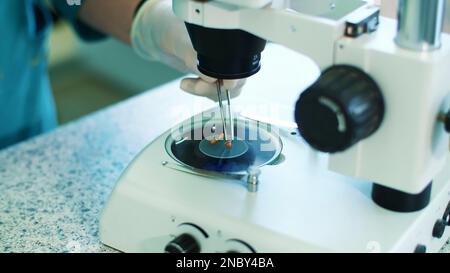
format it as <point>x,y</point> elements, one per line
<point>69,10</point>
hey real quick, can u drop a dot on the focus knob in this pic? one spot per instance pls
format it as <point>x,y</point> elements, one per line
<point>439,228</point>
<point>420,249</point>
<point>447,122</point>
<point>344,106</point>
<point>184,243</point>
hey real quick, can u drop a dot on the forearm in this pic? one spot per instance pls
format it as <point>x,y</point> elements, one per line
<point>112,17</point>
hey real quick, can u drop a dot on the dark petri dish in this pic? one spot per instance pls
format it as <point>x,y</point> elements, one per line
<point>263,148</point>
<point>221,151</point>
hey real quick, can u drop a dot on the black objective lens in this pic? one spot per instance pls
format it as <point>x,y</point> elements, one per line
<point>226,54</point>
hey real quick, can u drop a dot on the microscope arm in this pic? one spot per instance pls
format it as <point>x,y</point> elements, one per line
<point>312,36</point>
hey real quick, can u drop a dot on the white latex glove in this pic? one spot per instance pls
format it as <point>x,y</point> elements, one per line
<point>157,34</point>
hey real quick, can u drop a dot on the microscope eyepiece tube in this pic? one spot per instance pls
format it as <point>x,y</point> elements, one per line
<point>420,24</point>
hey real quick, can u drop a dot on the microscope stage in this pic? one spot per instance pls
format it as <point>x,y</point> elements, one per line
<point>300,206</point>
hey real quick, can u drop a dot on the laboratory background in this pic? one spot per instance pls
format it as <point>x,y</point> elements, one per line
<point>86,77</point>
<point>110,179</point>
<point>89,76</point>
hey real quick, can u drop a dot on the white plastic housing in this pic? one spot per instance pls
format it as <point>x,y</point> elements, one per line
<point>301,206</point>
<point>411,146</point>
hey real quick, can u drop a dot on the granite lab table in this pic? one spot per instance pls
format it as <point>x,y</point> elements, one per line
<point>53,187</point>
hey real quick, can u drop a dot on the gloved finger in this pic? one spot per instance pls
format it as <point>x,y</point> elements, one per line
<point>199,87</point>
<point>174,63</point>
<point>233,84</point>
<point>190,59</point>
<point>239,85</point>
<point>236,92</point>
<point>205,78</point>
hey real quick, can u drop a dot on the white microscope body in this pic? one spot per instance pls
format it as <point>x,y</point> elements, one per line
<point>411,146</point>
<point>403,156</point>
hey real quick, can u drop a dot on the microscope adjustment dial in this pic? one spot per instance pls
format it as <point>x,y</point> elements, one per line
<point>343,107</point>
<point>447,122</point>
<point>185,243</point>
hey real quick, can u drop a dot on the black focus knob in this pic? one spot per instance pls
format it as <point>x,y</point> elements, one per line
<point>344,106</point>
<point>184,243</point>
<point>446,216</point>
<point>420,249</point>
<point>447,122</point>
<point>439,228</point>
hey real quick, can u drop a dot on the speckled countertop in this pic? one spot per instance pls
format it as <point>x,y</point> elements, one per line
<point>53,187</point>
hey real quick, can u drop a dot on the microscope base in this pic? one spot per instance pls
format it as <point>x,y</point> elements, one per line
<point>300,206</point>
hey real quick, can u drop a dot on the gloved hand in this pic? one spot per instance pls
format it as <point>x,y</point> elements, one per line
<point>157,34</point>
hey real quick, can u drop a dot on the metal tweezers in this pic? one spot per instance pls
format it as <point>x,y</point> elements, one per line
<point>226,123</point>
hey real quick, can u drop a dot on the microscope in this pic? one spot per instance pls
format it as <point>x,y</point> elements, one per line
<point>378,113</point>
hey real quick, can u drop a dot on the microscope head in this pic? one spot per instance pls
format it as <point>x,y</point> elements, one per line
<point>224,51</point>
<point>226,54</point>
